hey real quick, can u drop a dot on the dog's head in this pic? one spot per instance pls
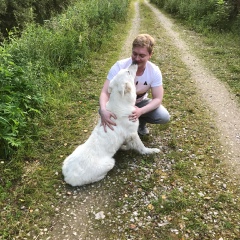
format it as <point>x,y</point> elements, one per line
<point>123,82</point>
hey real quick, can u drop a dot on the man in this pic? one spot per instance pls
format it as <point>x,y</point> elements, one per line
<point>148,77</point>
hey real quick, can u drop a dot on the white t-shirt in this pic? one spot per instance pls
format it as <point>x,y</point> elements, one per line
<point>151,77</point>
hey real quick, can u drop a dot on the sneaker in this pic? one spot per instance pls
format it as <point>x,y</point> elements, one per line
<point>143,130</point>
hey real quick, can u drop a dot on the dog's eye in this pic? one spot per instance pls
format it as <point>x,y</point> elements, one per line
<point>128,72</point>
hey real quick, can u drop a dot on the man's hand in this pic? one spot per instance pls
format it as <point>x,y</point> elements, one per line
<point>106,119</point>
<point>135,114</point>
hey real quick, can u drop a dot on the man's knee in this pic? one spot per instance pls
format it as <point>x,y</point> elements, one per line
<point>163,116</point>
<point>157,117</point>
<point>163,119</point>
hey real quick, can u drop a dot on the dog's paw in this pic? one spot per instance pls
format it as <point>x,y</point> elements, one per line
<point>124,147</point>
<point>151,150</point>
<point>155,150</point>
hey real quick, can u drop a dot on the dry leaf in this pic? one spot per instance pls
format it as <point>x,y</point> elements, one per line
<point>150,207</point>
<point>164,197</point>
<point>132,226</point>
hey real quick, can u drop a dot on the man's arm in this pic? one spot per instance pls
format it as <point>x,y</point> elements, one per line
<point>104,113</point>
<point>157,96</point>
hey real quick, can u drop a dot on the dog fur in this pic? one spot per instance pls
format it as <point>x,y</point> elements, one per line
<point>91,161</point>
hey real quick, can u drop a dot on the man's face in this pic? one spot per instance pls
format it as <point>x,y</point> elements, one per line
<point>140,55</point>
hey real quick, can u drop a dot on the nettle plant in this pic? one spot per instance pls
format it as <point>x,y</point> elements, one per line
<point>19,102</point>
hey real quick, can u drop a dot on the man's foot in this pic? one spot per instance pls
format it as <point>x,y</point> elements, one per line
<point>143,130</point>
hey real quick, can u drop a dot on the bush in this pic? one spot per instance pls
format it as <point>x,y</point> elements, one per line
<point>18,13</point>
<point>31,66</point>
<point>236,25</point>
<point>70,36</point>
<point>220,15</point>
<point>19,101</point>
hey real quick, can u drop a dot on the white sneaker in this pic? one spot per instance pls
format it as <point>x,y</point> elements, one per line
<point>143,130</point>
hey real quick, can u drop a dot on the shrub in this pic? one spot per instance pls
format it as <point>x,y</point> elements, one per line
<point>19,101</point>
<point>70,36</point>
<point>18,13</point>
<point>220,15</point>
<point>236,25</point>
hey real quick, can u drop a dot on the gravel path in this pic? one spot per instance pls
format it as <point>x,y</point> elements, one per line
<point>74,222</point>
<point>222,103</point>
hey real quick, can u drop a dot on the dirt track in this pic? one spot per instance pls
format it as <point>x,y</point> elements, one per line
<point>75,221</point>
<point>222,103</point>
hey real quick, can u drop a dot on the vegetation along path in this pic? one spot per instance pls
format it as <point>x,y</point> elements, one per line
<point>165,197</point>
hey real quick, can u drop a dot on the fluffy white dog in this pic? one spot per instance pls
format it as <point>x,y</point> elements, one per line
<point>91,161</point>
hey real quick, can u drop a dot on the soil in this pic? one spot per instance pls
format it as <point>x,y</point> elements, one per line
<point>75,221</point>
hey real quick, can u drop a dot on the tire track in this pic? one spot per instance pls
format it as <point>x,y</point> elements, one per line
<point>127,47</point>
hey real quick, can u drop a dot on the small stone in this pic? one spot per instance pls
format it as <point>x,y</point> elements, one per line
<point>99,215</point>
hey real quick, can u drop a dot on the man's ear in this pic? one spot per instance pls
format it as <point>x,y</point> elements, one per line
<point>151,54</point>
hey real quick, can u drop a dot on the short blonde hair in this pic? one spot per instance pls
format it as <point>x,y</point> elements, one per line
<point>144,40</point>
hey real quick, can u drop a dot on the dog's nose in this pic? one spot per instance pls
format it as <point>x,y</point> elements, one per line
<point>134,62</point>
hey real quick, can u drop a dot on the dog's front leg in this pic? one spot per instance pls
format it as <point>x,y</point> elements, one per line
<point>134,142</point>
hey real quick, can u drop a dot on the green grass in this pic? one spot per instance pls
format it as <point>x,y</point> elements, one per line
<point>187,177</point>
<point>221,54</point>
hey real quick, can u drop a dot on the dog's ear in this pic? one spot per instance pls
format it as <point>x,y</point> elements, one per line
<point>110,87</point>
<point>128,87</point>
<point>125,88</point>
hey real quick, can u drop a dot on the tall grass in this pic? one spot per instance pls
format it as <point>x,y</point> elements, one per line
<point>206,15</point>
<point>28,64</point>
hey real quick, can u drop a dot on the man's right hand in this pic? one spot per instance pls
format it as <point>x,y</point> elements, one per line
<point>106,119</point>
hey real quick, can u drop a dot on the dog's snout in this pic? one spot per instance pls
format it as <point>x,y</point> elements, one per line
<point>133,68</point>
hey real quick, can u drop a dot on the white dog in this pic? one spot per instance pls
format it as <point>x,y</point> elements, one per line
<point>91,161</point>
